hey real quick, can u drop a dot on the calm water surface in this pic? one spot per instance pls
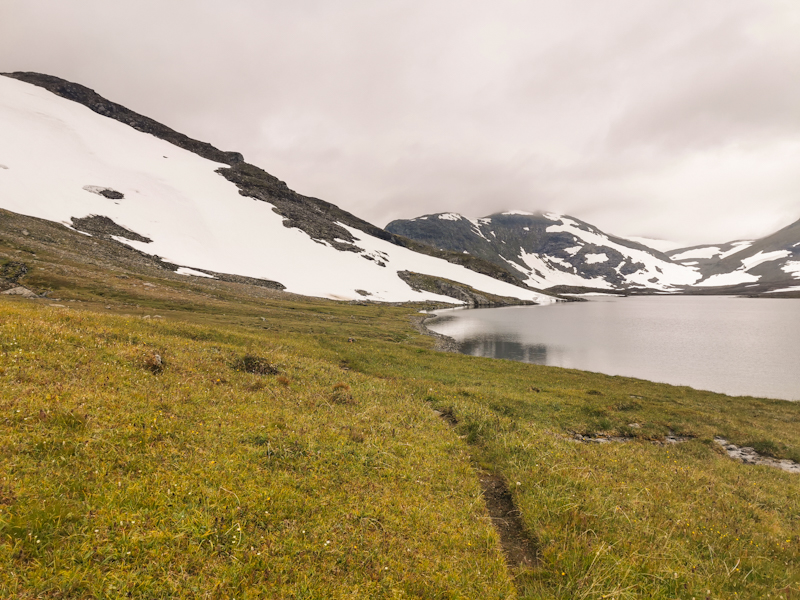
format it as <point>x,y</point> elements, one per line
<point>738,346</point>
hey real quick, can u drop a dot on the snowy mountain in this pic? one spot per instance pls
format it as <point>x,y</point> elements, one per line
<point>70,156</point>
<point>552,251</point>
<point>562,254</point>
<point>770,264</point>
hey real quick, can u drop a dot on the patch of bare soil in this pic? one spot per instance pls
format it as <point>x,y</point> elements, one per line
<point>519,546</point>
<point>448,415</point>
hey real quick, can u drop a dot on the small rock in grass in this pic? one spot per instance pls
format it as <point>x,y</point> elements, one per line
<point>20,291</point>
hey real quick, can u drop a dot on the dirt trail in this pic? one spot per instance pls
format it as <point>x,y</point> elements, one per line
<point>518,544</point>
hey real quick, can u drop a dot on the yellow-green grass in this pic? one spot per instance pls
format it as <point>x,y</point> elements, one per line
<point>335,479</point>
<point>204,480</point>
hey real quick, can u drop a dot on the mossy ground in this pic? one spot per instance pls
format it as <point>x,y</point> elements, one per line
<point>329,475</point>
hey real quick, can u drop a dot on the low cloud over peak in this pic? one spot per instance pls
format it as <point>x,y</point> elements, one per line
<point>652,118</point>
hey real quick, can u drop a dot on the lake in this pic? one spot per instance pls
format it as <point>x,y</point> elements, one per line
<point>737,346</point>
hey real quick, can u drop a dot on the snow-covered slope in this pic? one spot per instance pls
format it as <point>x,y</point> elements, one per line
<point>548,249</point>
<point>758,265</point>
<point>63,162</point>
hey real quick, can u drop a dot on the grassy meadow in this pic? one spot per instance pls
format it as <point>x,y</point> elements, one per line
<point>177,438</point>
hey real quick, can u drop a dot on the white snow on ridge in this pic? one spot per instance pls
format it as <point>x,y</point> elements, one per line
<point>551,276</point>
<point>193,272</point>
<point>518,212</point>
<point>476,226</point>
<point>792,267</point>
<point>193,215</point>
<point>450,217</point>
<point>741,274</point>
<point>704,252</point>
<point>737,247</point>
<point>761,257</point>
<point>667,274</point>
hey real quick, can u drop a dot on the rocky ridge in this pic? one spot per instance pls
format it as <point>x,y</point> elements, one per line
<point>566,255</point>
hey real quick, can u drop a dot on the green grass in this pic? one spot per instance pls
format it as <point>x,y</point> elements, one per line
<point>265,455</point>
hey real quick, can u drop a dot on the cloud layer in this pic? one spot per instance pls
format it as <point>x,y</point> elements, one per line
<point>650,118</point>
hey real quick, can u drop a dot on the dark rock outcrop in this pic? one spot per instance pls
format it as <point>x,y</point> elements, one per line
<point>464,293</point>
<point>103,227</point>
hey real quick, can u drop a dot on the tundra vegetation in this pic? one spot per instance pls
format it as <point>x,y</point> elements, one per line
<point>175,437</point>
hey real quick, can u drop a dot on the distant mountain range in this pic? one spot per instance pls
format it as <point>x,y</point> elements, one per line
<point>69,156</point>
<point>563,254</point>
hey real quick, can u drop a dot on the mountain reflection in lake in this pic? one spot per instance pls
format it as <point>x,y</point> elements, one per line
<point>737,346</point>
<point>536,353</point>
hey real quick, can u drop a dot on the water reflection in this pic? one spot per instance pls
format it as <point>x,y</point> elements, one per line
<point>738,346</point>
<point>510,349</point>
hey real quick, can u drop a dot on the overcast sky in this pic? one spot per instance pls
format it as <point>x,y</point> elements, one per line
<point>659,118</point>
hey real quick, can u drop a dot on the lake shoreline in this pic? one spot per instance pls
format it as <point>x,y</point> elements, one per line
<point>733,346</point>
<point>443,343</point>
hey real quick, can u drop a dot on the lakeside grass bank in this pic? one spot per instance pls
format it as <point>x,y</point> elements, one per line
<point>140,458</point>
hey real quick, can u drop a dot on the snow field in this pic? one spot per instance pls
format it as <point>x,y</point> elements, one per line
<point>53,148</point>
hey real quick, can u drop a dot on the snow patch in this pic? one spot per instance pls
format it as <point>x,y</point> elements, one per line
<point>476,226</point>
<point>188,271</point>
<point>741,275</point>
<point>573,251</point>
<point>732,278</point>
<point>595,258</point>
<point>542,274</point>
<point>450,217</point>
<point>561,262</point>
<point>737,247</point>
<point>794,288</point>
<point>517,212</point>
<point>761,257</point>
<point>792,267</point>
<point>705,252</point>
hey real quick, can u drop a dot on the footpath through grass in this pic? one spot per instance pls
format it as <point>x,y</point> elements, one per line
<point>242,447</point>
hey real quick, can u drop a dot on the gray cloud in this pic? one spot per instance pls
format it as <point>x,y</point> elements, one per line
<point>653,118</point>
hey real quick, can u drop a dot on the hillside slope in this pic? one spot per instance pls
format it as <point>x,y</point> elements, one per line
<point>767,264</point>
<point>68,155</point>
<point>172,437</point>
